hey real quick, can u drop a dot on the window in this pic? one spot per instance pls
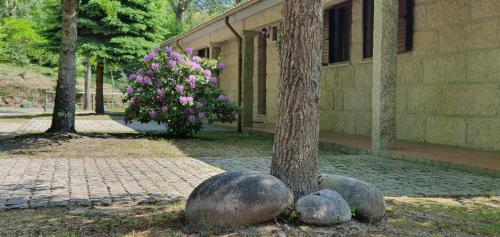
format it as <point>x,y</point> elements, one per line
<point>204,53</point>
<point>274,33</point>
<point>337,33</point>
<point>405,27</point>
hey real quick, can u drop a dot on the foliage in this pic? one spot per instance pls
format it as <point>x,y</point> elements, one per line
<point>179,91</point>
<point>19,41</point>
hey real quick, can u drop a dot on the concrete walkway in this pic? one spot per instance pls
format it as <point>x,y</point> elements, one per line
<point>93,126</point>
<point>478,161</point>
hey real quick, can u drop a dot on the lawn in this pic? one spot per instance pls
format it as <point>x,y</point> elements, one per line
<point>405,217</point>
<point>205,144</point>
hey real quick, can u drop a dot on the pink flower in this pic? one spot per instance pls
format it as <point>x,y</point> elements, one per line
<point>155,66</point>
<point>184,100</point>
<point>130,90</point>
<point>222,66</point>
<point>171,63</point>
<point>169,50</point>
<point>208,73</point>
<point>139,79</point>
<point>199,105</point>
<point>147,81</point>
<point>192,81</point>
<point>192,118</point>
<point>196,59</point>
<point>201,115</point>
<point>150,56</point>
<point>222,98</point>
<point>213,80</point>
<point>152,114</point>
<point>189,51</point>
<point>179,89</point>
<point>160,91</point>
<point>164,109</point>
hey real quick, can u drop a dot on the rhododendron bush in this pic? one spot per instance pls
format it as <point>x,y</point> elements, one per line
<point>178,90</point>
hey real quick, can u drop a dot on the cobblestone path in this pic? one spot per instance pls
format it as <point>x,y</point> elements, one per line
<point>32,183</point>
<point>392,177</point>
<point>93,126</point>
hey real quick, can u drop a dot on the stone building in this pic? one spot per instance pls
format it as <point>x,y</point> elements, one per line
<point>446,73</point>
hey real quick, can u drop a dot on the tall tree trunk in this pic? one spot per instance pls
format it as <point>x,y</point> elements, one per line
<point>296,139</point>
<point>63,116</point>
<point>99,87</point>
<point>88,80</point>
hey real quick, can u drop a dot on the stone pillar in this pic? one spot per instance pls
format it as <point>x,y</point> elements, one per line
<point>384,74</point>
<point>247,78</point>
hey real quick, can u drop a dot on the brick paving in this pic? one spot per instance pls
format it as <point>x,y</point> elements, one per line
<point>32,183</point>
<point>392,177</point>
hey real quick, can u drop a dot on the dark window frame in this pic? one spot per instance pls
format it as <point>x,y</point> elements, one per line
<point>203,53</point>
<point>368,25</point>
<point>340,15</point>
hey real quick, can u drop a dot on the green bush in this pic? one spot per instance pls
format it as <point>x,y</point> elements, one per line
<point>26,105</point>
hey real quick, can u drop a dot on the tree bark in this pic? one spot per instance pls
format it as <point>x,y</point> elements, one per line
<point>88,80</point>
<point>63,116</point>
<point>296,138</point>
<point>99,87</point>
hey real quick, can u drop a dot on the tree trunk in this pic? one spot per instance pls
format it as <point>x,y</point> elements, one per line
<point>99,87</point>
<point>63,116</point>
<point>88,80</point>
<point>296,139</point>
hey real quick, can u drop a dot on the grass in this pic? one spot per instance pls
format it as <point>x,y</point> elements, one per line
<point>204,144</point>
<point>405,217</point>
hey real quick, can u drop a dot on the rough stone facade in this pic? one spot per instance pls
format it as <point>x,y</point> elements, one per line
<point>448,85</point>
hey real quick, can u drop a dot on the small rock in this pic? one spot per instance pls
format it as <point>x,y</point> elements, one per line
<point>367,200</point>
<point>325,207</point>
<point>234,199</point>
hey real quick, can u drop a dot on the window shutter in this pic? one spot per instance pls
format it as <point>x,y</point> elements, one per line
<point>326,34</point>
<point>368,28</point>
<point>405,26</point>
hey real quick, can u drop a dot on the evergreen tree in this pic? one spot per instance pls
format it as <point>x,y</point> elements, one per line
<point>115,32</point>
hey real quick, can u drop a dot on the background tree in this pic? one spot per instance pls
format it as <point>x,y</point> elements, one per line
<point>119,33</point>
<point>19,41</point>
<point>296,139</point>
<point>179,7</point>
<point>63,117</point>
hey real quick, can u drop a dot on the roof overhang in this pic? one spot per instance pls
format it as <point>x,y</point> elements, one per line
<point>236,14</point>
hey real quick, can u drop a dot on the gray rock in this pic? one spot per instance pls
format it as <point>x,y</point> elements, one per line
<point>325,207</point>
<point>235,199</point>
<point>367,200</point>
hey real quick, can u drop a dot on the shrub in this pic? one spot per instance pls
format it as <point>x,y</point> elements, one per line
<point>178,90</point>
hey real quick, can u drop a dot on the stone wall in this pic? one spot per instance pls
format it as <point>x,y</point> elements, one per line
<point>448,86</point>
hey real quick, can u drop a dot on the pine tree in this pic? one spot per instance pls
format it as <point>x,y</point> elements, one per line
<point>296,139</point>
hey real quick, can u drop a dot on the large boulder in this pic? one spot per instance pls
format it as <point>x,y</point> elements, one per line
<point>325,207</point>
<point>366,200</point>
<point>235,199</point>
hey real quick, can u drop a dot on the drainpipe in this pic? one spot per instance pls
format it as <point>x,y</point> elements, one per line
<point>240,60</point>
